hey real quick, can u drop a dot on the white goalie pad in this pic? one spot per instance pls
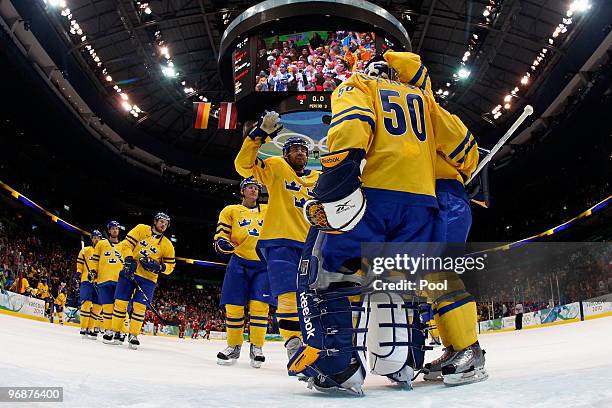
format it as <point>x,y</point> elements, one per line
<point>388,333</point>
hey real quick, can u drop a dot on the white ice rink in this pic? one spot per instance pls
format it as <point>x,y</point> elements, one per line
<point>561,366</point>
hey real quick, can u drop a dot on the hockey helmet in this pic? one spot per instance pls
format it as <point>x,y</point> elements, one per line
<point>250,180</point>
<point>161,216</point>
<point>380,68</point>
<point>96,233</point>
<point>295,141</point>
<point>112,224</point>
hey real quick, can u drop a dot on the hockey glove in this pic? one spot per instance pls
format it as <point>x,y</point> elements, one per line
<point>152,265</point>
<point>224,247</point>
<point>268,125</point>
<point>91,275</point>
<point>129,267</point>
<point>339,202</point>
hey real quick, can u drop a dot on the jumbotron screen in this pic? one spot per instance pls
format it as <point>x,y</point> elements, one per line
<point>311,61</point>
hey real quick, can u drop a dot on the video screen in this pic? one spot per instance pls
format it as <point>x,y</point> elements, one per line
<point>311,61</point>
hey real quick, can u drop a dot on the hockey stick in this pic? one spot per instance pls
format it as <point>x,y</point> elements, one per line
<point>526,112</point>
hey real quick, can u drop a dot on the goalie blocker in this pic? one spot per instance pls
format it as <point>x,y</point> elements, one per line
<point>339,202</point>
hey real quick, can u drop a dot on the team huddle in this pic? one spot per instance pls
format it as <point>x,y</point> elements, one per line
<point>119,277</point>
<point>396,172</point>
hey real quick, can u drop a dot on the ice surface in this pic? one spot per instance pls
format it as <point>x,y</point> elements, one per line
<point>560,366</point>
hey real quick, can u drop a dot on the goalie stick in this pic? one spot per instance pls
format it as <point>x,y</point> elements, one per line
<point>526,112</point>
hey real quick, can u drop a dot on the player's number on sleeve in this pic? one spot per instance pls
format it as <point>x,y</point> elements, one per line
<point>396,125</point>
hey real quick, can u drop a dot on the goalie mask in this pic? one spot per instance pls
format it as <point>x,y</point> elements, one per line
<point>378,67</point>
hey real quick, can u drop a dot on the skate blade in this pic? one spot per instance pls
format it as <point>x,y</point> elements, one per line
<point>337,391</point>
<point>433,376</point>
<point>471,377</point>
<point>229,362</point>
<point>109,342</point>
<point>256,364</point>
<point>133,347</point>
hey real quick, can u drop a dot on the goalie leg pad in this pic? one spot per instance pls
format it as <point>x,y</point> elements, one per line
<point>396,336</point>
<point>333,328</point>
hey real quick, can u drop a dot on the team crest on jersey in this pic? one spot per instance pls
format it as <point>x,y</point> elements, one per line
<point>153,250</point>
<point>293,186</point>
<point>244,223</point>
<point>299,203</point>
<point>107,253</point>
<point>254,232</point>
<point>260,223</point>
<point>309,192</point>
<point>143,243</point>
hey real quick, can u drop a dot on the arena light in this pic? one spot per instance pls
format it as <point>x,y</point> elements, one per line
<point>124,96</point>
<point>486,12</point>
<point>524,80</point>
<point>169,72</point>
<point>463,73</point>
<point>508,98</point>
<point>580,6</point>
<point>109,78</point>
<point>126,106</point>
<point>148,10</point>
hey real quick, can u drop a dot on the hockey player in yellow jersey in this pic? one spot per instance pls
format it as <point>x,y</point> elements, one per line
<point>42,292</point>
<point>289,184</point>
<point>58,305</point>
<point>246,276</point>
<point>108,262</point>
<point>87,292</point>
<point>150,254</point>
<point>385,135</point>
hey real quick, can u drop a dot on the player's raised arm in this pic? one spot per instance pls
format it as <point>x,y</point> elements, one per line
<point>247,163</point>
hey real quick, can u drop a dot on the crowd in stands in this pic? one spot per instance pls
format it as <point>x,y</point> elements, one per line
<point>312,61</point>
<point>584,273</point>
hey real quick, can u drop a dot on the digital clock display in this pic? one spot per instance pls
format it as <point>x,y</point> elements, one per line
<point>305,102</point>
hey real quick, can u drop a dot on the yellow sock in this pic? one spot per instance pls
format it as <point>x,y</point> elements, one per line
<point>119,309</point>
<point>287,316</point>
<point>126,325</point>
<point>85,314</point>
<point>234,323</point>
<point>107,315</point>
<point>95,315</point>
<point>258,322</point>
<point>138,312</point>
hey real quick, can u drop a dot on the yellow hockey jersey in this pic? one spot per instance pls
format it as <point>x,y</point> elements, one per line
<point>285,223</point>
<point>85,262</point>
<point>141,242</point>
<point>108,259</point>
<point>60,299</point>
<point>401,128</point>
<point>242,227</point>
<point>42,290</point>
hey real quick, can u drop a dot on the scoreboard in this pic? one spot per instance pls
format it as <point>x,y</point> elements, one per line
<point>318,101</point>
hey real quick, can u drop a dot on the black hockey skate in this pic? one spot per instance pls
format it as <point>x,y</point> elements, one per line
<point>92,335</point>
<point>133,342</point>
<point>109,337</point>
<point>229,355</point>
<point>119,338</point>
<point>433,371</point>
<point>466,367</point>
<point>257,357</point>
<point>83,334</point>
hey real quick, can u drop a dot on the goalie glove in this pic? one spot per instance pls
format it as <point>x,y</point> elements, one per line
<point>268,125</point>
<point>339,202</point>
<point>224,247</point>
<point>152,265</point>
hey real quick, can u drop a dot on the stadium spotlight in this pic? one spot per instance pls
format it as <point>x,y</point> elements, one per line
<point>524,80</point>
<point>486,13</point>
<point>508,98</point>
<point>147,10</point>
<point>463,73</point>
<point>169,72</point>
<point>126,106</point>
<point>109,78</point>
<point>580,5</point>
<point>507,106</point>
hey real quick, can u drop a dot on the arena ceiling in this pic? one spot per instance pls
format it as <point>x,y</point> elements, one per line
<point>504,38</point>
